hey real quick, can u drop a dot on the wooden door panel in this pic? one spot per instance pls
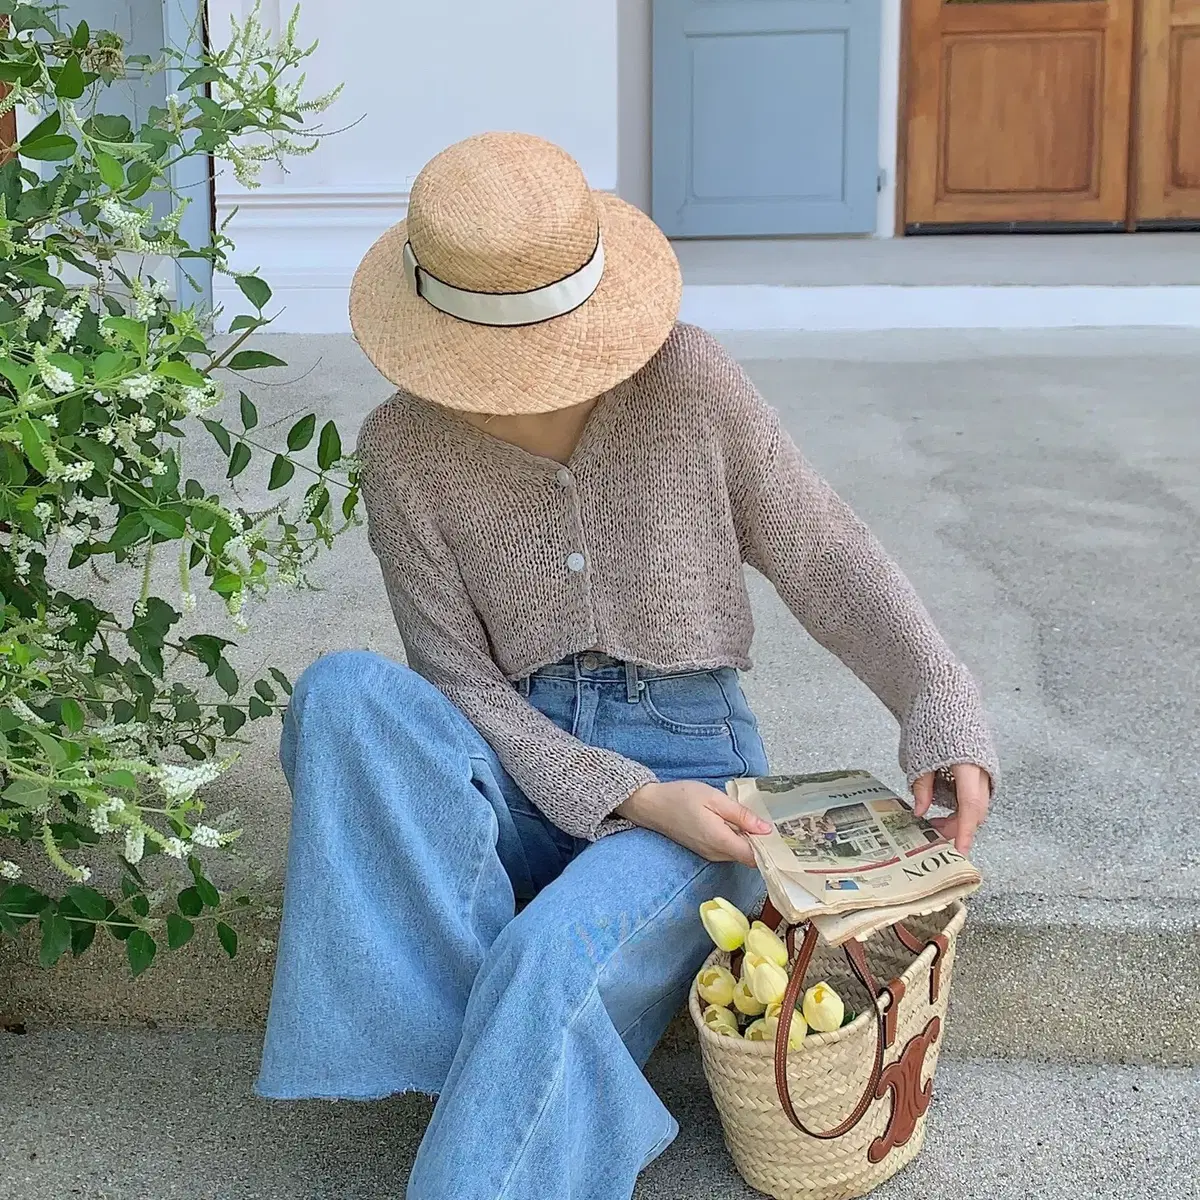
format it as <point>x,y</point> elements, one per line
<point>1018,112</point>
<point>1168,145</point>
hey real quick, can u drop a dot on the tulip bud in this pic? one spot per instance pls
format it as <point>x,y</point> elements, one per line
<point>796,1032</point>
<point>764,941</point>
<point>768,982</point>
<point>823,1008</point>
<point>760,1031</point>
<point>726,925</point>
<point>715,985</point>
<point>721,1021</point>
<point>744,1001</point>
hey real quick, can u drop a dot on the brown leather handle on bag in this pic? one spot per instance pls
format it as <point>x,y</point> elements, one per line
<point>856,956</point>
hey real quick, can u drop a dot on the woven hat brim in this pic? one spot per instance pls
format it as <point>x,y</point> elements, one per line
<point>528,368</point>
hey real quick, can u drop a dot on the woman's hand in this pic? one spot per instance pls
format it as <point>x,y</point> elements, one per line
<point>973,787</point>
<point>697,816</point>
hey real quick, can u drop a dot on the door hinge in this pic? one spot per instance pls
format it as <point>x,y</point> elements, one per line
<point>881,179</point>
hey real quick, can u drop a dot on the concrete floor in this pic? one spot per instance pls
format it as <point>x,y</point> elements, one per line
<point>1042,491</point>
<point>156,1116</point>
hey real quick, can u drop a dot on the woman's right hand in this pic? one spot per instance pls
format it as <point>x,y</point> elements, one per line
<point>705,820</point>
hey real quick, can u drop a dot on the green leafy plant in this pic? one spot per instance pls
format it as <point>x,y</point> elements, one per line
<point>112,722</point>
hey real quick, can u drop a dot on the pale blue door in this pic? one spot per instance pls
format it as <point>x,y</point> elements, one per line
<point>765,116</point>
<point>145,27</point>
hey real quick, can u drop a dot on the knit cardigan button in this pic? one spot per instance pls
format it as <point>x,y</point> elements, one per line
<point>576,562</point>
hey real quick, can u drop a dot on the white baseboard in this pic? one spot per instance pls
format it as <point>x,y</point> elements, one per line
<point>306,242</point>
<point>313,302</point>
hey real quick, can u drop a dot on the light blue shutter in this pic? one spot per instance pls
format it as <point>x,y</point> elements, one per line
<point>766,116</point>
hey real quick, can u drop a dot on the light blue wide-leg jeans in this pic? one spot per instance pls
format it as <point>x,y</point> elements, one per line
<point>403,967</point>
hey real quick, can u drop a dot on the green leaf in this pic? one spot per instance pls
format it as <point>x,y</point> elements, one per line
<point>263,688</point>
<point>179,931</point>
<point>234,718</point>
<point>110,128</point>
<point>130,528</point>
<point>81,36</point>
<point>226,678</point>
<point>301,433</point>
<point>207,893</point>
<point>125,780</point>
<point>140,950</point>
<point>51,747</point>
<point>44,129</point>
<point>228,938</point>
<point>112,174</point>
<point>56,937</point>
<point>248,411</point>
<point>184,372</point>
<point>255,290</point>
<point>33,437</point>
<point>281,679</point>
<point>253,360</point>
<point>51,149</point>
<point>207,648</point>
<point>89,902</point>
<point>83,934</point>
<point>71,83</point>
<point>27,793</point>
<point>72,714</point>
<point>162,520</point>
<point>189,902</point>
<point>133,331</point>
<point>19,901</point>
<point>239,460</point>
<point>257,709</point>
<point>219,433</point>
<point>245,321</point>
<point>329,448</point>
<point>282,469</point>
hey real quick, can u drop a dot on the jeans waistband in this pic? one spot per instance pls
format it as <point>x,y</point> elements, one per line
<point>594,667</point>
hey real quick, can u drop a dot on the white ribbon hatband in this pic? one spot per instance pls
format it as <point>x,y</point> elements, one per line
<point>507,308</point>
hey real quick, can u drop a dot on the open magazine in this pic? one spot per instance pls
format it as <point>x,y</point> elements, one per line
<point>849,854</point>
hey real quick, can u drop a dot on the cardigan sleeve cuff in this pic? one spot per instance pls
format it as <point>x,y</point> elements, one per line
<point>945,727</point>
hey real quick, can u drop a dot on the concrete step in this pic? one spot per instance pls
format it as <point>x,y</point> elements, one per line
<point>138,1115</point>
<point>970,260</point>
<point>1118,983</point>
<point>972,282</point>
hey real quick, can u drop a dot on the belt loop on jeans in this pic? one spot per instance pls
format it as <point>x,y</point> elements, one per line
<point>523,685</point>
<point>633,685</point>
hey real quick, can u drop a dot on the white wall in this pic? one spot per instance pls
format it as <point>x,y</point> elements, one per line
<point>418,75</point>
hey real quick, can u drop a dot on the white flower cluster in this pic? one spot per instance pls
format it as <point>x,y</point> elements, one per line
<point>128,222</point>
<point>56,379</point>
<point>135,845</point>
<point>99,817</point>
<point>9,869</point>
<point>139,387</point>
<point>35,306</point>
<point>198,400</point>
<point>207,836</point>
<point>180,783</point>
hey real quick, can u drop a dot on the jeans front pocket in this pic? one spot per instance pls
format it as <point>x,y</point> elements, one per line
<point>694,704</point>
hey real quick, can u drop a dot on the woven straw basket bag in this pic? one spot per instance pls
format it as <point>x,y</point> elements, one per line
<point>836,1117</point>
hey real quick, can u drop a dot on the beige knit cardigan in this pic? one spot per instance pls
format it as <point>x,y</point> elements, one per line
<point>498,562</point>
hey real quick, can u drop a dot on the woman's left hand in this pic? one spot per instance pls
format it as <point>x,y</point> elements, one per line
<point>973,787</point>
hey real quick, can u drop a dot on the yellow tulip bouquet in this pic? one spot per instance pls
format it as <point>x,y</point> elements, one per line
<point>749,1007</point>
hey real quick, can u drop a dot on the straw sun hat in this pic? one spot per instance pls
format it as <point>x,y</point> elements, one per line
<point>512,287</point>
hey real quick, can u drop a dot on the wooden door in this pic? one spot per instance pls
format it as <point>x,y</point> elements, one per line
<point>1167,146</point>
<point>1018,112</point>
<point>765,116</point>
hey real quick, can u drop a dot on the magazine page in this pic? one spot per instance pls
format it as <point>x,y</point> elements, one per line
<point>849,841</point>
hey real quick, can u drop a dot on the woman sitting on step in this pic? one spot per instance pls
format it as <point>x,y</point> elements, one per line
<point>562,496</point>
